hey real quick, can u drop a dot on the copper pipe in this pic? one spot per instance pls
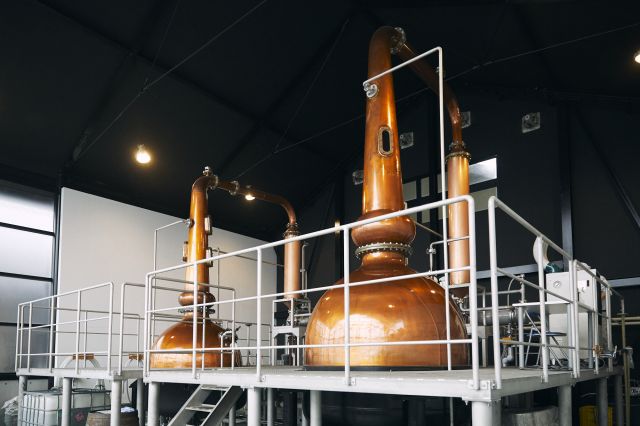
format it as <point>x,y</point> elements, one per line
<point>198,240</point>
<point>457,166</point>
<point>402,310</point>
<point>291,250</point>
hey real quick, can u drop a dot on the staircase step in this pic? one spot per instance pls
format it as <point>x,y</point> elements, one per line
<point>214,388</point>
<point>205,408</point>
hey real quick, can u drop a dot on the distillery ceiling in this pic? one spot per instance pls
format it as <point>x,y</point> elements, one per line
<point>265,92</point>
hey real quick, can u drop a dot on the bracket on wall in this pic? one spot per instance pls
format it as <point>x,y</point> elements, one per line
<point>358,177</point>
<point>530,122</point>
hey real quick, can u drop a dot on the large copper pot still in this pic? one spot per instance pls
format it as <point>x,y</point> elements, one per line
<point>180,335</point>
<point>408,309</point>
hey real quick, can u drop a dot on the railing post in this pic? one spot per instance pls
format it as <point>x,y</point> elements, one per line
<point>194,323</point>
<point>123,289</point>
<point>473,298</point>
<point>29,341</point>
<point>543,311</point>
<point>347,327</point>
<point>51,333</point>
<point>493,262</point>
<point>574,318</point>
<point>259,317</point>
<point>79,301</point>
<point>110,331</point>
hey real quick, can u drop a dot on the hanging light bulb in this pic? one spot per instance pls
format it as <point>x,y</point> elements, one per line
<point>636,56</point>
<point>142,155</point>
<point>249,196</point>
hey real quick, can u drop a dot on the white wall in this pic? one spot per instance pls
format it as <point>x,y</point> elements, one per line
<point>102,240</point>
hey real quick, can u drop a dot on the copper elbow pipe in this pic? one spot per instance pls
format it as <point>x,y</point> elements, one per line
<point>291,250</point>
<point>457,165</point>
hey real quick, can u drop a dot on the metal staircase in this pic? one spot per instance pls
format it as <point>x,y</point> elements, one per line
<point>216,412</point>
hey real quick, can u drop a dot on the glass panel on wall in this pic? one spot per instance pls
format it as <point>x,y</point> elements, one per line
<point>27,253</point>
<point>17,290</point>
<point>26,207</point>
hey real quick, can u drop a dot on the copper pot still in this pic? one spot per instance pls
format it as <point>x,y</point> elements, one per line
<point>180,335</point>
<point>411,309</point>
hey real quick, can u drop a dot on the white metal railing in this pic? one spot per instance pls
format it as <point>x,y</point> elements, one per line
<point>573,304</point>
<point>152,312</point>
<point>87,314</point>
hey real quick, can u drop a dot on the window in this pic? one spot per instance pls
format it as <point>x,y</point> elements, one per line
<point>27,246</point>
<point>483,177</point>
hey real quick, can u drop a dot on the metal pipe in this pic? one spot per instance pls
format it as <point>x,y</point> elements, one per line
<point>315,418</point>
<point>485,413</point>
<point>66,401</point>
<point>564,405</point>
<point>291,250</point>
<point>619,400</point>
<point>253,406</point>
<point>603,402</point>
<point>153,400</point>
<point>140,401</point>
<point>457,160</point>
<point>116,399</point>
<point>270,407</point>
<point>232,416</point>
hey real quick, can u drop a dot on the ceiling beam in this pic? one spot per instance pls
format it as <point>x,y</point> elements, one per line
<point>246,140</point>
<point>162,68</point>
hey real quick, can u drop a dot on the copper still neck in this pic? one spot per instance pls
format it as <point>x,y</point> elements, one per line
<point>382,185</point>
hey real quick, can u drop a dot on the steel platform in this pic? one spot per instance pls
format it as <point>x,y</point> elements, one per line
<point>83,373</point>
<point>439,383</point>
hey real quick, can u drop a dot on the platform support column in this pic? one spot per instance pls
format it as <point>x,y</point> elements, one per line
<point>116,401</point>
<point>316,408</point>
<point>140,401</point>
<point>253,407</point>
<point>486,413</point>
<point>232,416</point>
<point>305,419</point>
<point>269,406</point>
<point>603,403</point>
<point>22,388</point>
<point>619,400</point>
<point>66,401</point>
<point>564,405</point>
<point>152,401</point>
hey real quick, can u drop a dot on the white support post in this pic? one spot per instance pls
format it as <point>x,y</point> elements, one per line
<point>253,407</point>
<point>564,405</point>
<point>116,399</point>
<point>66,401</point>
<point>486,413</point>
<point>152,401</point>
<point>316,408</point>
<point>22,388</point>
<point>619,400</point>
<point>232,416</point>
<point>140,401</point>
<point>270,407</point>
<point>603,403</point>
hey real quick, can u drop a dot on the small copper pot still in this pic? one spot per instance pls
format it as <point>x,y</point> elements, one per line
<point>180,335</point>
<point>411,309</point>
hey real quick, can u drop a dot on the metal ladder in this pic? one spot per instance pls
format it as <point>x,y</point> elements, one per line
<point>217,412</point>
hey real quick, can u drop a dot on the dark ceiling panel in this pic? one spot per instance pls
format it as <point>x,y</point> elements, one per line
<point>51,76</point>
<point>102,14</point>
<point>254,61</point>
